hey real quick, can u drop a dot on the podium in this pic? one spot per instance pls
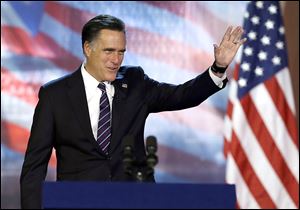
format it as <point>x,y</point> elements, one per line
<point>131,195</point>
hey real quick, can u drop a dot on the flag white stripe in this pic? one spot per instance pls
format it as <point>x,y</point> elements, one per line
<point>227,128</point>
<point>9,17</point>
<point>284,80</point>
<point>257,158</point>
<point>16,111</point>
<point>244,196</point>
<point>32,74</point>
<point>64,39</point>
<point>272,120</point>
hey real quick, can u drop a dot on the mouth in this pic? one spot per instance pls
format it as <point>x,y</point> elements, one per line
<point>113,69</point>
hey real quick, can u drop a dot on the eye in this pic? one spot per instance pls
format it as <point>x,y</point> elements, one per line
<point>108,52</point>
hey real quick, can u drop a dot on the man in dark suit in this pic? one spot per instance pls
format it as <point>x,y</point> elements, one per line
<point>67,114</point>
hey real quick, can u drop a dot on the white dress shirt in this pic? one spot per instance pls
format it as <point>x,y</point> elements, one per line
<point>217,80</point>
<point>93,95</point>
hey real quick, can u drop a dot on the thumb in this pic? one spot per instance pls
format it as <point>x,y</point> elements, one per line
<point>215,47</point>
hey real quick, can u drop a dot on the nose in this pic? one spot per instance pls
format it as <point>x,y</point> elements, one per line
<point>116,58</point>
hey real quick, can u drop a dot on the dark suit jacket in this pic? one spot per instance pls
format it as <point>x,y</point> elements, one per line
<point>61,120</point>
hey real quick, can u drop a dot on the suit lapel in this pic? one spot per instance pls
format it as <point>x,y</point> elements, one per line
<point>79,104</point>
<point>121,89</point>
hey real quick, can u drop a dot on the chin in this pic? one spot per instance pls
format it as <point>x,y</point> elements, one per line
<point>111,78</point>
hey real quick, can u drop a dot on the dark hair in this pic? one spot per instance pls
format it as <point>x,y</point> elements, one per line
<point>91,29</point>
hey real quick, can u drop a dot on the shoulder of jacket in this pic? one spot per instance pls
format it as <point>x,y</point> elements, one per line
<point>126,71</point>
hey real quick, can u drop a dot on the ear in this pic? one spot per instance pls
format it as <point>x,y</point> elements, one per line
<point>87,48</point>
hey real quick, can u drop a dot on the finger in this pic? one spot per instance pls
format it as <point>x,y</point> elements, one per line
<point>237,38</point>
<point>226,36</point>
<point>236,34</point>
<point>215,48</point>
<point>241,42</point>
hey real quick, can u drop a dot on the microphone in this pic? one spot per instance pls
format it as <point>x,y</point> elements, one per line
<point>128,153</point>
<point>151,148</point>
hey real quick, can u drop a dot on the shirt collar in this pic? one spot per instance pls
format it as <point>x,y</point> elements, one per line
<point>91,84</point>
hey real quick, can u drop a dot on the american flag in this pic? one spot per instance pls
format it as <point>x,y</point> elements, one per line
<point>261,142</point>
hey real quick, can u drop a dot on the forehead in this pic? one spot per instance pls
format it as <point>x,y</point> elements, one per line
<point>111,36</point>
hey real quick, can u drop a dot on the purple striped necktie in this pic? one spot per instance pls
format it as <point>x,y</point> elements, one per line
<point>104,122</point>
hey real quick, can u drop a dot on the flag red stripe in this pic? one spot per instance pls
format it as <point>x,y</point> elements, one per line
<point>16,138</point>
<point>237,206</point>
<point>226,148</point>
<point>229,109</point>
<point>9,82</point>
<point>255,186</point>
<point>269,147</point>
<point>63,58</point>
<point>60,12</point>
<point>19,42</point>
<point>283,108</point>
<point>176,55</point>
<point>236,72</point>
<point>198,14</point>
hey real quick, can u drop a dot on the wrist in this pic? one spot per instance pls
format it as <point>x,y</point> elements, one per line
<point>218,69</point>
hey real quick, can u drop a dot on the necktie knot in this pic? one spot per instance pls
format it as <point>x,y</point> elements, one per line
<point>101,86</point>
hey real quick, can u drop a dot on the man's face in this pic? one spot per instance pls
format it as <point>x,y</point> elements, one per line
<point>105,54</point>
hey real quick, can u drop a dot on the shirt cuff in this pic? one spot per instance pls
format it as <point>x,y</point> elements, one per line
<point>217,80</point>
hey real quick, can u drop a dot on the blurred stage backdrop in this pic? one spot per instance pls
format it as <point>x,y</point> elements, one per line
<point>172,41</point>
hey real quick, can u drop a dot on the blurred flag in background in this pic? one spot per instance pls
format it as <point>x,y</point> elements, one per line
<point>261,140</point>
<point>172,41</point>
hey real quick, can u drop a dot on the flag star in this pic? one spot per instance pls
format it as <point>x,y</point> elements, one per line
<point>259,71</point>
<point>242,82</point>
<point>248,51</point>
<point>281,30</point>
<point>245,66</point>
<point>265,40</point>
<point>255,20</point>
<point>279,45</point>
<point>259,4</point>
<point>276,60</point>
<point>272,9</point>
<point>252,35</point>
<point>246,15</point>
<point>262,55</point>
<point>269,24</point>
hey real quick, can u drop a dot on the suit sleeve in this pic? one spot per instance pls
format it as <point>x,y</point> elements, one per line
<point>38,153</point>
<point>168,97</point>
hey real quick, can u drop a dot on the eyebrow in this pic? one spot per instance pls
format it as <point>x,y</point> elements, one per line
<point>113,49</point>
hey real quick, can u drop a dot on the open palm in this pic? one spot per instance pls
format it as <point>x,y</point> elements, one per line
<point>225,52</point>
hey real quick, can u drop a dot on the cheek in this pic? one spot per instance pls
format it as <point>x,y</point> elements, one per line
<point>99,60</point>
